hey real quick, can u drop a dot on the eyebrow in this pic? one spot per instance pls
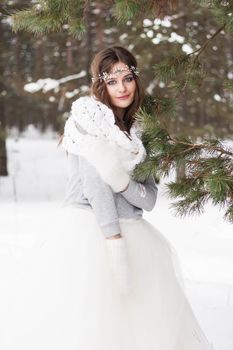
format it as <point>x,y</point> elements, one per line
<point>131,74</point>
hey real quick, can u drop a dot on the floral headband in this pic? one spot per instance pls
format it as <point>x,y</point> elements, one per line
<point>104,76</point>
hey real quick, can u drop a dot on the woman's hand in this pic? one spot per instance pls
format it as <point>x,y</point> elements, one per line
<point>124,189</point>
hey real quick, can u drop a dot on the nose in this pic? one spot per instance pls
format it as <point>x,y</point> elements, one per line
<point>121,86</point>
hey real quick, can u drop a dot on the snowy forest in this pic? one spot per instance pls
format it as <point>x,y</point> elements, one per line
<point>184,51</point>
<point>185,55</point>
<point>204,109</point>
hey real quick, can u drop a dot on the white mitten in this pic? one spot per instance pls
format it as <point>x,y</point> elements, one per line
<point>119,264</point>
<point>105,158</point>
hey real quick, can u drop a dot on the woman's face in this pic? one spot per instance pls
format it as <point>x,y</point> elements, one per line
<point>120,85</point>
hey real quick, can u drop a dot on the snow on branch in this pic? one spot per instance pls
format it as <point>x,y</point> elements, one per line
<point>49,84</point>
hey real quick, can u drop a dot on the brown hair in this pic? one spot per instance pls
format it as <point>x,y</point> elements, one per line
<point>103,62</point>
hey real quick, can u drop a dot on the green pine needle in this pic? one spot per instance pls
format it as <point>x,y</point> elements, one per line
<point>76,27</point>
<point>186,207</point>
<point>229,214</point>
<point>228,85</point>
<point>169,69</point>
<point>31,21</point>
<point>126,10</point>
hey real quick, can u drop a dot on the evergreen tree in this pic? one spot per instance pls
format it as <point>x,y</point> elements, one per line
<point>208,163</point>
<point>208,167</point>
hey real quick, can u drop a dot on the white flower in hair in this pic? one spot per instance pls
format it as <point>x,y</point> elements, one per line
<point>104,76</point>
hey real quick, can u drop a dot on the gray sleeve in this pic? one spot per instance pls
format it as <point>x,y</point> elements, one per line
<point>101,199</point>
<point>142,195</point>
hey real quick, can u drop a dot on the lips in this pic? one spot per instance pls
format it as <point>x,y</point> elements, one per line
<point>125,97</point>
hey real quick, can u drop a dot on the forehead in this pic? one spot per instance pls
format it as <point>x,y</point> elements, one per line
<point>119,69</point>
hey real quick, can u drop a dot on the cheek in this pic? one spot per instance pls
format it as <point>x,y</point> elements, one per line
<point>110,90</point>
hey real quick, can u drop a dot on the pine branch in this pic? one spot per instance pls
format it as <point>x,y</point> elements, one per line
<point>199,51</point>
<point>160,106</point>
<point>126,10</point>
<point>50,15</point>
<point>222,11</point>
<point>228,85</point>
<point>229,214</point>
<point>223,14</point>
<point>209,146</point>
<point>192,206</point>
<point>35,23</point>
<point>4,10</point>
<point>209,167</point>
<point>188,66</point>
<point>168,69</point>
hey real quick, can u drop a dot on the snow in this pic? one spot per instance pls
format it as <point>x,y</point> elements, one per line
<point>187,49</point>
<point>163,22</point>
<point>174,37</point>
<point>49,84</point>
<point>36,185</point>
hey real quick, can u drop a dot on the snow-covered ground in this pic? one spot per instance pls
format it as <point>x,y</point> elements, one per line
<point>36,184</point>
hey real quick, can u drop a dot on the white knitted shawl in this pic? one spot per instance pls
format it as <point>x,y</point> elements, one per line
<point>91,131</point>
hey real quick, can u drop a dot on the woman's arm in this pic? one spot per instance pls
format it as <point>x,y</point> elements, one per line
<point>101,199</point>
<point>141,195</point>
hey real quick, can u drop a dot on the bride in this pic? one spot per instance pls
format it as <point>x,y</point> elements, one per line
<point>99,276</point>
<point>131,296</point>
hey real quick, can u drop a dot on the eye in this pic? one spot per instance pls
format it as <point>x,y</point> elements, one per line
<point>111,82</point>
<point>129,79</point>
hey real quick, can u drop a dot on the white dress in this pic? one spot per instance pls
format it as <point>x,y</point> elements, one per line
<point>60,294</point>
<point>57,289</point>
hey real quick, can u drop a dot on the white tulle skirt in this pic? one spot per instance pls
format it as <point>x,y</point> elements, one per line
<point>60,294</point>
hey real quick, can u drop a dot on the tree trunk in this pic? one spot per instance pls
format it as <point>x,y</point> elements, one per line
<point>89,44</point>
<point>3,158</point>
<point>39,59</point>
<point>3,154</point>
<point>99,26</point>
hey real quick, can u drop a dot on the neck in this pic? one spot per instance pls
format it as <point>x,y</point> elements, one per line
<point>120,112</point>
<point>119,116</point>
